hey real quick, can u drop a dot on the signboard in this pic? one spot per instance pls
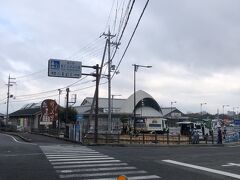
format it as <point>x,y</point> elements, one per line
<point>49,112</point>
<point>64,68</point>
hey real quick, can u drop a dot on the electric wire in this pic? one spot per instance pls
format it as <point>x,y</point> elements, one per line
<point>109,16</point>
<point>124,28</point>
<point>130,38</point>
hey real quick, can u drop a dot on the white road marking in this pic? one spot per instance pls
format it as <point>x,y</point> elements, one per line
<point>70,155</point>
<point>234,146</point>
<point>224,173</point>
<point>12,155</point>
<point>69,152</point>
<point>66,148</point>
<point>76,156</point>
<point>131,178</point>
<point>80,159</point>
<point>231,164</point>
<point>86,162</point>
<point>90,165</point>
<point>17,140</point>
<point>102,174</point>
<point>96,169</point>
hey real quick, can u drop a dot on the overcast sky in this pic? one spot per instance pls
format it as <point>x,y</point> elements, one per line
<point>193,47</point>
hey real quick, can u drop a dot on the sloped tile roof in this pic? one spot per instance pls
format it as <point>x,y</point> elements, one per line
<point>25,112</point>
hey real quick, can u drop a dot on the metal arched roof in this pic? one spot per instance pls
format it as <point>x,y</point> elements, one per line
<point>148,100</point>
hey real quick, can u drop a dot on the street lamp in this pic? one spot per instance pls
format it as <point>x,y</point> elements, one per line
<point>136,66</point>
<point>173,102</point>
<point>223,109</point>
<point>113,95</point>
<point>201,104</point>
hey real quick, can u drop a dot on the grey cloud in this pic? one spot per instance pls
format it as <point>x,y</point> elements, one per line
<point>201,35</point>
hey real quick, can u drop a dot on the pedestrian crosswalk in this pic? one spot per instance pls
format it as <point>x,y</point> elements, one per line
<point>80,162</point>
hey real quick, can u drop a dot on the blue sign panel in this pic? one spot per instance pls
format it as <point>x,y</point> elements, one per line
<point>237,122</point>
<point>64,68</point>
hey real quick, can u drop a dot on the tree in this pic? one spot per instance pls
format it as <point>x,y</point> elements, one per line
<point>71,115</point>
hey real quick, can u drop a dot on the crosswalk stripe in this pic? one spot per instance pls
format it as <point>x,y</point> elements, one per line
<point>83,162</point>
<point>90,165</point>
<point>76,156</point>
<point>66,147</point>
<point>101,174</point>
<point>130,178</point>
<point>80,159</point>
<point>69,153</point>
<point>95,169</point>
<point>86,162</point>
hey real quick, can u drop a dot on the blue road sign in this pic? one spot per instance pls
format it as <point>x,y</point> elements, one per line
<point>64,68</point>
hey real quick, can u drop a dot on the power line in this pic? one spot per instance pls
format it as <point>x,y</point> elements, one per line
<point>109,16</point>
<point>24,76</point>
<point>44,92</point>
<point>88,87</point>
<point>131,38</point>
<point>124,28</point>
<point>3,99</point>
<point>86,47</point>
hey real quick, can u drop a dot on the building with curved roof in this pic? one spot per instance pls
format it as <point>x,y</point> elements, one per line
<point>146,107</point>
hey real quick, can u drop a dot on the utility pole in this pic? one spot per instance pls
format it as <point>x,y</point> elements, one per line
<point>10,83</point>
<point>109,82</point>
<point>109,36</point>
<point>67,105</point>
<point>59,123</point>
<point>96,107</point>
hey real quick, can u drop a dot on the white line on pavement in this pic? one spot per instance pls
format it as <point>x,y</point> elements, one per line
<point>224,173</point>
<point>86,162</point>
<point>131,178</point>
<point>72,154</point>
<point>17,140</point>
<point>80,159</point>
<point>90,165</point>
<point>231,164</point>
<point>234,146</point>
<point>67,152</point>
<point>102,174</point>
<point>75,156</point>
<point>65,171</point>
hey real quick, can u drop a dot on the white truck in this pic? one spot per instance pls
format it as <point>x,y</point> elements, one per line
<point>151,125</point>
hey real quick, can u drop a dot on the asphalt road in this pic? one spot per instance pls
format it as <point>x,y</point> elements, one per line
<point>22,161</point>
<point>174,163</point>
<point>49,158</point>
